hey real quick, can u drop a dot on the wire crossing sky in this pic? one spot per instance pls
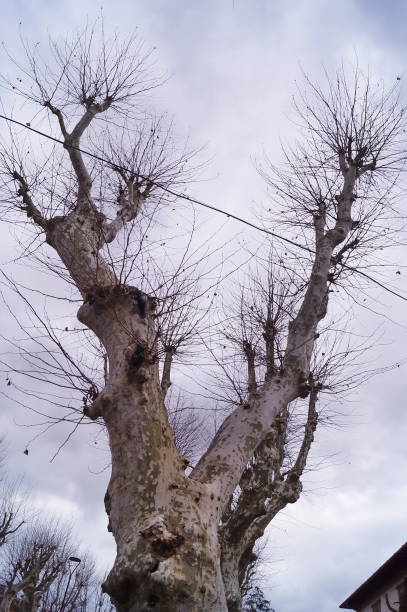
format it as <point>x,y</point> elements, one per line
<point>212,207</point>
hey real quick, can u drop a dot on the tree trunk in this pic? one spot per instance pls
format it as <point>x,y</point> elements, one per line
<point>165,524</point>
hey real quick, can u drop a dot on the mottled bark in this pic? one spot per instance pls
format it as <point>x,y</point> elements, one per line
<point>164,524</point>
<point>265,491</point>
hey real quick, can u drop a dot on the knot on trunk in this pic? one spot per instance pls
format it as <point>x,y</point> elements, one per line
<point>164,543</point>
<point>290,489</point>
<point>139,358</point>
<point>96,409</point>
<point>304,386</point>
<point>102,297</point>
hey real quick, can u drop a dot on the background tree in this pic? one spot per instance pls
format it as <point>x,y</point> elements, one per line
<point>40,572</point>
<point>100,221</point>
<point>11,504</point>
<point>39,566</point>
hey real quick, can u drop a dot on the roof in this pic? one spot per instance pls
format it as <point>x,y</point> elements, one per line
<point>386,572</point>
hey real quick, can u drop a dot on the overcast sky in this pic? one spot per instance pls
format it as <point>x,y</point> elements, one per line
<point>233,66</point>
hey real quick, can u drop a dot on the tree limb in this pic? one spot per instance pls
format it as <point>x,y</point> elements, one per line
<point>251,371</point>
<point>29,207</point>
<point>166,373</point>
<point>265,491</point>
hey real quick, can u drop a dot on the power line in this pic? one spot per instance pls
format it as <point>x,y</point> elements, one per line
<point>199,203</point>
<point>162,187</point>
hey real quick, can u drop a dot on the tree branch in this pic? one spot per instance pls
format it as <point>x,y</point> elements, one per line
<point>72,145</point>
<point>166,373</point>
<point>264,492</point>
<point>251,371</point>
<point>6,526</point>
<point>29,207</point>
<point>129,210</point>
<point>269,336</point>
<point>58,113</point>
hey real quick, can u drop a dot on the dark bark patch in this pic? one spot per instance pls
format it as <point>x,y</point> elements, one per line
<point>51,227</point>
<point>164,543</point>
<point>124,591</point>
<point>304,387</point>
<point>141,302</point>
<point>153,600</point>
<point>138,355</point>
<point>108,503</point>
<point>137,361</point>
<point>97,295</point>
<point>304,390</point>
<point>137,358</point>
<point>144,303</point>
<point>167,547</point>
<point>132,298</point>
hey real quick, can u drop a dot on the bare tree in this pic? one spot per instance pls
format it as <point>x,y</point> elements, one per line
<point>32,565</point>
<point>11,502</point>
<point>40,572</point>
<point>76,589</point>
<point>39,569</point>
<point>10,510</point>
<point>174,530</point>
<point>250,351</point>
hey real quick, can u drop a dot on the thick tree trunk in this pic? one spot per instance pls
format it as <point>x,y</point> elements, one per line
<point>167,549</point>
<point>165,524</point>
